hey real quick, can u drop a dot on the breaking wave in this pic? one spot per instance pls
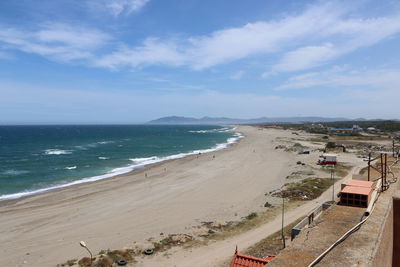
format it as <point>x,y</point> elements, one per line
<point>57,152</point>
<point>14,172</point>
<point>70,168</point>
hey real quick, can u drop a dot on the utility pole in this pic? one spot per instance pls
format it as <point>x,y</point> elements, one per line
<point>393,147</point>
<point>385,170</point>
<point>382,174</point>
<point>283,217</point>
<point>333,184</point>
<point>369,166</point>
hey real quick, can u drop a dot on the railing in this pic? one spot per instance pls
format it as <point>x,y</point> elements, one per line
<point>309,219</point>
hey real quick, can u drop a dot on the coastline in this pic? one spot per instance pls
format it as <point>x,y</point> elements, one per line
<point>167,197</point>
<point>126,170</point>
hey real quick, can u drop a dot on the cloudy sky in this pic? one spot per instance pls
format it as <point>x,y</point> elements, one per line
<point>129,61</point>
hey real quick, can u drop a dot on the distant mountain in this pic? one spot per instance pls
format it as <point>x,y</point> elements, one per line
<point>209,120</point>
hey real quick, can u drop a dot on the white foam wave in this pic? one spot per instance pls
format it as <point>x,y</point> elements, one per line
<point>138,163</point>
<point>57,152</point>
<point>14,172</point>
<point>105,142</point>
<point>70,168</point>
<point>93,145</point>
<point>103,158</point>
<point>216,130</point>
<point>150,160</point>
<point>85,147</point>
<point>141,160</point>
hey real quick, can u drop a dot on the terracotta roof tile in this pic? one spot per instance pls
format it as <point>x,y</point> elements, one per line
<point>241,260</point>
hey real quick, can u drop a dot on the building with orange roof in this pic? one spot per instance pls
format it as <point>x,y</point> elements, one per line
<point>241,260</point>
<point>359,183</point>
<point>356,193</point>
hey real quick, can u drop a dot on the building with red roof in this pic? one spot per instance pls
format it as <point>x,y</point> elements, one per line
<point>241,260</point>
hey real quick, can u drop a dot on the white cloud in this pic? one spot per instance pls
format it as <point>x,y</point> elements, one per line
<point>70,36</point>
<point>260,37</point>
<point>223,46</point>
<point>338,77</point>
<point>117,7</point>
<point>57,41</point>
<point>316,36</point>
<point>151,52</point>
<point>312,38</point>
<point>306,57</point>
<point>348,34</point>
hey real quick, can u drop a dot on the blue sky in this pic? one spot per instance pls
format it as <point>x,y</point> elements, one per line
<point>130,61</point>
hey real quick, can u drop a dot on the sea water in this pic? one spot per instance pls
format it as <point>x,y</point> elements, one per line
<point>36,159</point>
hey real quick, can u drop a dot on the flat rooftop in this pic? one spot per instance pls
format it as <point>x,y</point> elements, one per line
<point>356,190</point>
<point>360,183</point>
<point>312,241</point>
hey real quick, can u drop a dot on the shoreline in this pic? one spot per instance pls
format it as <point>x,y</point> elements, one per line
<point>117,177</point>
<point>121,171</point>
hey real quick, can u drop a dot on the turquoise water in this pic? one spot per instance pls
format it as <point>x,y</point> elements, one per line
<point>34,159</point>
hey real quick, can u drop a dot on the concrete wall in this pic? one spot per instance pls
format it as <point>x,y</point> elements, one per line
<point>308,220</point>
<point>384,250</point>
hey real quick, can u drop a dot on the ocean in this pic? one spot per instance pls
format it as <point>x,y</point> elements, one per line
<point>35,159</point>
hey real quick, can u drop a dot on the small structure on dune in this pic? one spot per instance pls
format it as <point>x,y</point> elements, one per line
<point>328,159</point>
<point>355,128</point>
<point>241,260</point>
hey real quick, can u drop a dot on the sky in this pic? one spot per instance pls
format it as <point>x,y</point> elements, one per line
<point>130,61</point>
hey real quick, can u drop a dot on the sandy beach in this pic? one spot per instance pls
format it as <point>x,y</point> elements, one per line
<point>169,197</point>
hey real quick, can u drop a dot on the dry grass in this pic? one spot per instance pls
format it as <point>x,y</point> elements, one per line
<point>272,244</point>
<point>251,221</point>
<point>340,170</point>
<point>171,241</point>
<point>300,174</point>
<point>85,262</point>
<point>120,254</point>
<point>68,263</point>
<point>307,189</point>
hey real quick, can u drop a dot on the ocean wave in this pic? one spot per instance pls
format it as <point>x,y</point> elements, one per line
<point>57,152</point>
<point>216,130</point>
<point>14,172</point>
<point>141,160</point>
<point>70,168</point>
<point>105,142</point>
<point>103,158</point>
<point>138,163</point>
<point>85,147</point>
<point>92,145</point>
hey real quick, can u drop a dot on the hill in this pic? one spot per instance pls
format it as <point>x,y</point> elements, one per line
<point>176,120</point>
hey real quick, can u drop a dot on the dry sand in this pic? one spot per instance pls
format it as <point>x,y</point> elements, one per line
<point>44,230</point>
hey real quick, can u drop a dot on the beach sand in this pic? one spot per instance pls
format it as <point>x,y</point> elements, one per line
<point>168,197</point>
